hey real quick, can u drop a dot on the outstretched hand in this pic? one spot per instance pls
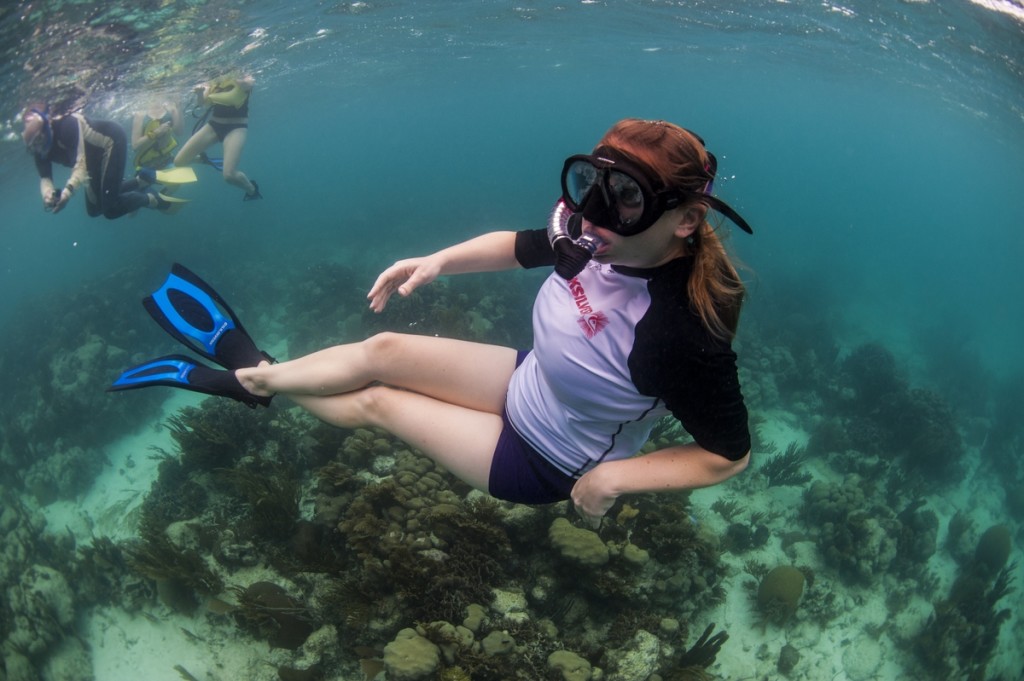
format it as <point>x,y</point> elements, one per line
<point>405,276</point>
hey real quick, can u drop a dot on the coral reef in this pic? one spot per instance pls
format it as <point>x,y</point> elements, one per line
<point>352,556</point>
<point>854,535</point>
<point>70,344</point>
<point>959,639</point>
<point>37,612</point>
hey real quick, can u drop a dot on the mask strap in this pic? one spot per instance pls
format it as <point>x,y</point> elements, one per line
<point>726,210</point>
<point>47,128</point>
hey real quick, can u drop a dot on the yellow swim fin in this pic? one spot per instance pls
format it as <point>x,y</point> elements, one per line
<point>174,204</point>
<point>183,175</point>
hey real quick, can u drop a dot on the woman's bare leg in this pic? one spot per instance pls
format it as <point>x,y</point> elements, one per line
<point>233,144</point>
<point>198,142</point>
<point>472,375</point>
<point>460,439</point>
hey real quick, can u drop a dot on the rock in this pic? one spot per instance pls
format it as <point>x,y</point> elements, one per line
<point>511,604</point>
<point>788,658</point>
<point>475,616</point>
<point>993,548</point>
<point>18,667</point>
<point>498,643</point>
<point>410,657</point>
<point>43,607</point>
<point>69,661</point>
<point>635,555</point>
<point>577,544</point>
<point>862,659</point>
<point>572,666</point>
<point>637,660</point>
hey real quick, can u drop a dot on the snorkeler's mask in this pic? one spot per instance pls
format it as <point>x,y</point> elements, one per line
<point>41,143</point>
<point>618,193</point>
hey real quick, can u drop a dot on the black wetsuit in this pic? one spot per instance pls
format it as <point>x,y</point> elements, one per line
<point>96,151</point>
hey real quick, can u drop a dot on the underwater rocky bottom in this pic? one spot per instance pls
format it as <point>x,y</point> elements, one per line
<point>353,557</point>
<point>374,562</point>
<point>344,555</point>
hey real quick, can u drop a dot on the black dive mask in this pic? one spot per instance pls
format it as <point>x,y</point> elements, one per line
<point>41,144</point>
<point>619,194</point>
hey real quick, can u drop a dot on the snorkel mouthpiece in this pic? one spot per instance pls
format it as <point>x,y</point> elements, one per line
<point>571,255</point>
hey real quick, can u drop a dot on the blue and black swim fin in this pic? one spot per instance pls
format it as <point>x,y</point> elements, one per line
<point>179,371</point>
<point>217,163</point>
<point>195,315</point>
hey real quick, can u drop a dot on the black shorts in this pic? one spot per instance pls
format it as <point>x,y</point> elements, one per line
<point>222,129</point>
<point>519,473</point>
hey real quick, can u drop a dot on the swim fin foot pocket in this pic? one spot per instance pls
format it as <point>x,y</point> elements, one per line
<point>255,194</point>
<point>179,371</point>
<point>146,176</point>
<point>195,315</point>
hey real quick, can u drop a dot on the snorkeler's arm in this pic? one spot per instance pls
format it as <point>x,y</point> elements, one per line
<point>80,171</point>
<point>139,138</point>
<point>680,467</point>
<point>490,252</point>
<point>176,120</point>
<point>46,190</point>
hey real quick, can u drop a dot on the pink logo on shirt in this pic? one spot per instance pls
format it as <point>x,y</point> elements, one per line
<point>591,322</point>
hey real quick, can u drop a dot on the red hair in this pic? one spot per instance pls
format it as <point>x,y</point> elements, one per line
<point>679,159</point>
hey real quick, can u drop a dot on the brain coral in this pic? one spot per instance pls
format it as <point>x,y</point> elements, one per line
<point>993,548</point>
<point>780,592</point>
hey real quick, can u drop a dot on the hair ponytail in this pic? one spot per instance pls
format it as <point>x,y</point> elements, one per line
<point>715,289</point>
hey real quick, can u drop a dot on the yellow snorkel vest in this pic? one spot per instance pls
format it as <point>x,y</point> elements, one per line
<point>227,93</point>
<point>160,153</point>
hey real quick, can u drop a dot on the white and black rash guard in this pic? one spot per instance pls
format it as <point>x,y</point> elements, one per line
<point>614,350</point>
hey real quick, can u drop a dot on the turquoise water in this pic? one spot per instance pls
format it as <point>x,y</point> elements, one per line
<point>876,148</point>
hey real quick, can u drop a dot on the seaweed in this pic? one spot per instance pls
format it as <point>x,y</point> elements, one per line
<point>181,575</point>
<point>960,637</point>
<point>267,611</point>
<point>272,499</point>
<point>786,468</point>
<point>692,663</point>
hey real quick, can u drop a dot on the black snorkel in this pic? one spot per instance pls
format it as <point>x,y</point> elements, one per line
<point>571,254</point>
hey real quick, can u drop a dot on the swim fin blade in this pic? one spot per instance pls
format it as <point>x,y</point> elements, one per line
<point>182,175</point>
<point>217,163</point>
<point>172,203</point>
<point>179,371</point>
<point>196,316</point>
